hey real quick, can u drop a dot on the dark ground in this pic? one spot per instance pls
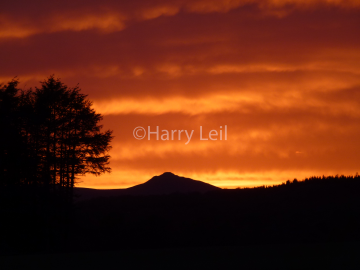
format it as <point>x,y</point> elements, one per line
<point>305,256</point>
<point>314,224</point>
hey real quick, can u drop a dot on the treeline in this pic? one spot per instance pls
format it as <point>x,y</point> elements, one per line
<point>49,136</point>
<point>319,210</point>
<point>313,180</point>
<point>328,179</point>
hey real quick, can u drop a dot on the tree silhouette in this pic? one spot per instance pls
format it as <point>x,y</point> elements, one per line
<point>11,141</point>
<point>52,135</point>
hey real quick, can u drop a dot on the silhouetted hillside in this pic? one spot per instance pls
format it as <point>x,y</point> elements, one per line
<point>320,209</point>
<point>167,183</point>
<point>316,210</point>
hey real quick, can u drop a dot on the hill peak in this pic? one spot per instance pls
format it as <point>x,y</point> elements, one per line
<point>168,182</point>
<point>168,174</point>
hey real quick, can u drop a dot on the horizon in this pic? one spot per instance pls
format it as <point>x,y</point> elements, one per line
<point>230,187</point>
<point>240,93</point>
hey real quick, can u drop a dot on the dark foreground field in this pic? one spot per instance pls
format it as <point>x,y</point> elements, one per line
<point>313,224</point>
<point>305,256</point>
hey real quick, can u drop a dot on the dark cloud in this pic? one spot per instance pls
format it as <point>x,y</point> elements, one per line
<point>284,77</point>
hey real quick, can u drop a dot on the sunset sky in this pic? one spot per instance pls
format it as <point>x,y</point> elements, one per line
<point>282,75</point>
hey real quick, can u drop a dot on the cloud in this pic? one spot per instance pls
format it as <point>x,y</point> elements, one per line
<point>106,22</point>
<point>157,11</point>
<point>60,22</point>
<point>282,75</point>
<point>110,16</point>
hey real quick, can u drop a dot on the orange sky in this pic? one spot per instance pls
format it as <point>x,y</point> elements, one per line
<point>282,75</point>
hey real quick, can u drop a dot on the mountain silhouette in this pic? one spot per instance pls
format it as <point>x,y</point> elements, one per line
<point>166,183</point>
